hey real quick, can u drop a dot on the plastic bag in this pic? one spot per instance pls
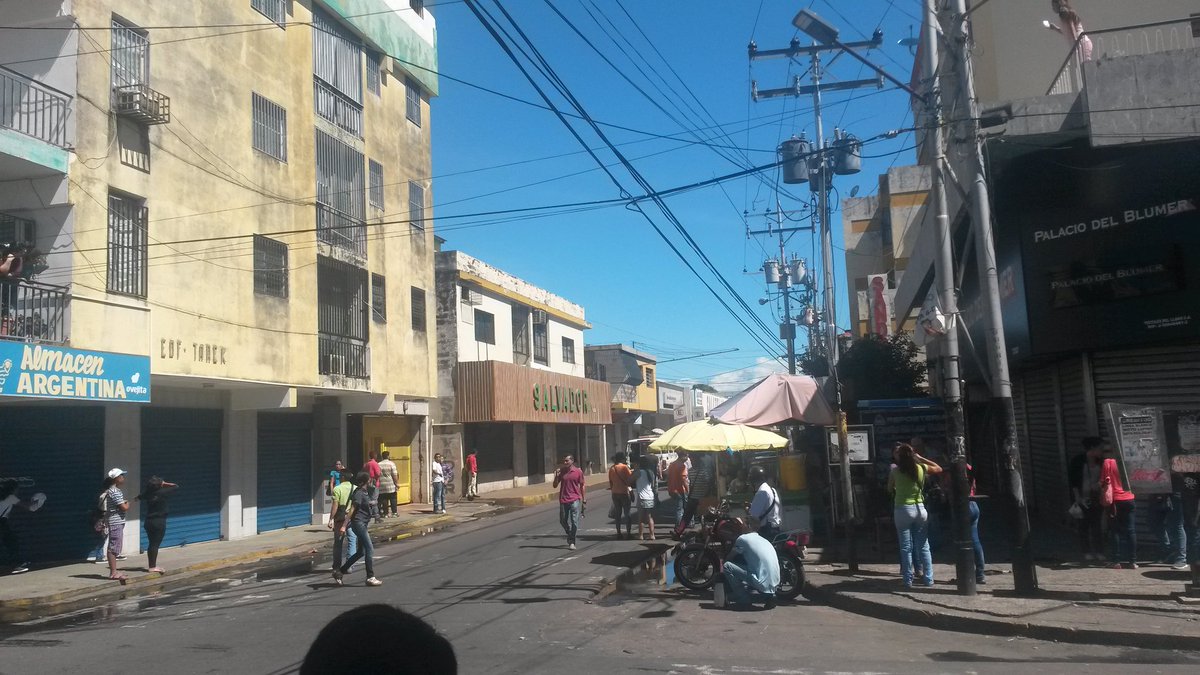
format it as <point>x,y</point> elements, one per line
<point>1076,511</point>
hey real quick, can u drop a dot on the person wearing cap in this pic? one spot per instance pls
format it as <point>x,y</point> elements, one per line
<point>115,506</point>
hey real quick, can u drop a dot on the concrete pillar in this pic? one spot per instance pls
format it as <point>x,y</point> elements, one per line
<point>239,474</point>
<point>123,449</point>
<point>329,445</point>
<point>520,455</point>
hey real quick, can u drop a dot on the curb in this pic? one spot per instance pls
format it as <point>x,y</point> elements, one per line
<point>19,609</point>
<point>528,500</point>
<point>961,623</point>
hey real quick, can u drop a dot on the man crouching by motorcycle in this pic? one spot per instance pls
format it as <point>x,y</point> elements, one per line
<point>752,566</point>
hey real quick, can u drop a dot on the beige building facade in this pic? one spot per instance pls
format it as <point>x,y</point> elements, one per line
<point>243,215</point>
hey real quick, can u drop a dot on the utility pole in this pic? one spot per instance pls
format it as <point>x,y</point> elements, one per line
<point>1024,571</point>
<point>784,274</point>
<point>944,277</point>
<point>820,171</point>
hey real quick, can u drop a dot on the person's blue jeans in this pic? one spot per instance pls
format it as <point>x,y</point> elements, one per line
<point>367,549</point>
<point>741,583</point>
<point>351,542</point>
<point>911,524</point>
<point>439,497</point>
<point>1124,532</point>
<point>1168,523</point>
<point>568,516</point>
<point>680,505</point>
<point>975,540</point>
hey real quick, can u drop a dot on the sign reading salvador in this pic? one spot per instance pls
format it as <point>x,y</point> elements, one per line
<point>41,371</point>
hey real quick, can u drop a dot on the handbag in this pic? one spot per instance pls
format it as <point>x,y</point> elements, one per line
<point>1076,511</point>
<point>1106,492</point>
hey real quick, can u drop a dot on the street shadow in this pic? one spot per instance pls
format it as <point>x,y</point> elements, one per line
<point>1168,575</point>
<point>559,546</point>
<point>524,601</point>
<point>1127,657</point>
<point>103,577</point>
<point>630,558</point>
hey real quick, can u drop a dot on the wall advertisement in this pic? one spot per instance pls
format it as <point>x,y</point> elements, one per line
<point>43,371</point>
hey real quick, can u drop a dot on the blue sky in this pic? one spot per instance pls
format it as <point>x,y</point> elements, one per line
<point>689,57</point>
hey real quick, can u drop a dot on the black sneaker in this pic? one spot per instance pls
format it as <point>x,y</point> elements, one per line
<point>770,603</point>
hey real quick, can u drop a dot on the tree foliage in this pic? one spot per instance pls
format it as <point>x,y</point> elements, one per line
<point>877,367</point>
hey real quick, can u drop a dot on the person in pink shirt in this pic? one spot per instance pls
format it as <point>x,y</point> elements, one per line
<point>571,498</point>
<point>1120,515</point>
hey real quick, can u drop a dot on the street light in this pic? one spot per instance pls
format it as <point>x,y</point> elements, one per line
<point>815,27</point>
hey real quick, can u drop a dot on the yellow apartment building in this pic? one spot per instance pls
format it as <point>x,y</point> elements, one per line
<point>228,254</point>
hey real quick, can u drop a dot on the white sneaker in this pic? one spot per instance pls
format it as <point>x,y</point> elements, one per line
<point>91,558</point>
<point>374,582</point>
<point>571,547</point>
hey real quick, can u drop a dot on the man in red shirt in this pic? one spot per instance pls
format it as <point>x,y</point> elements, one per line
<point>677,484</point>
<point>571,498</point>
<point>373,474</point>
<point>619,477</point>
<point>472,476</point>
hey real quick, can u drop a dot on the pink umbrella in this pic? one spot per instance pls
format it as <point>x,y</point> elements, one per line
<point>775,399</point>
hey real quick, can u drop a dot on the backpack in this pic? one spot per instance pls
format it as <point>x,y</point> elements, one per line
<point>96,513</point>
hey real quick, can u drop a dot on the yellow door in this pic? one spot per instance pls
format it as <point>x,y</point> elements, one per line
<point>394,435</point>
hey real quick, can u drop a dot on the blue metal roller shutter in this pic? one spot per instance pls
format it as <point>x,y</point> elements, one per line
<point>285,481</point>
<point>183,445</point>
<point>61,449</point>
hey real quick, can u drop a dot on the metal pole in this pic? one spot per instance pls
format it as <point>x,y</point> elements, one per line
<point>785,284</point>
<point>831,343</point>
<point>949,355</point>
<point>1024,571</point>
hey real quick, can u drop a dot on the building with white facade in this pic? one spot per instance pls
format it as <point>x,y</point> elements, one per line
<point>510,376</point>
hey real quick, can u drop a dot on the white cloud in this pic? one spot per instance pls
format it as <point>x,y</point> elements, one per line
<point>735,381</point>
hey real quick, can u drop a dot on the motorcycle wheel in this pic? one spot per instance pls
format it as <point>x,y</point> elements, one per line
<point>696,568</point>
<point>791,576</point>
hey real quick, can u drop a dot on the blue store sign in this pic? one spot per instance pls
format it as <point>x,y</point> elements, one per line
<point>41,371</point>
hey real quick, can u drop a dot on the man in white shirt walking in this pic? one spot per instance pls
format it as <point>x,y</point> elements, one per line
<point>765,507</point>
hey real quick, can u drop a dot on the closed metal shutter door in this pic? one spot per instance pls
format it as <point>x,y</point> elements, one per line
<point>1168,377</point>
<point>183,445</point>
<point>1041,415</point>
<point>61,449</point>
<point>285,480</point>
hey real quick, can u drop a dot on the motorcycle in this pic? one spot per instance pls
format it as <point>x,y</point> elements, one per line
<point>703,553</point>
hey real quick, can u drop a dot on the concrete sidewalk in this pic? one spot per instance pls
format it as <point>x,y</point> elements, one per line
<point>1088,605</point>
<point>64,588</point>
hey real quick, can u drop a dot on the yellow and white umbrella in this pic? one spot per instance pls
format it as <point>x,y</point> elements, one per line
<point>712,436</point>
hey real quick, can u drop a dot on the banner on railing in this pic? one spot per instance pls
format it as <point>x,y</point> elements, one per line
<point>42,371</point>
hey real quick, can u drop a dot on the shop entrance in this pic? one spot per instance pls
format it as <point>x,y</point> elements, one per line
<point>395,435</point>
<point>535,452</point>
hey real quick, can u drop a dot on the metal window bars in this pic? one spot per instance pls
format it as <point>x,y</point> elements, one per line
<point>416,205</point>
<point>375,179</point>
<point>412,100</point>
<point>379,298</point>
<point>127,235</point>
<point>32,108</point>
<point>341,207</point>
<point>270,267</point>
<point>33,311</point>
<point>342,319</point>
<point>418,309</point>
<point>374,74</point>
<point>269,127</point>
<point>275,10</point>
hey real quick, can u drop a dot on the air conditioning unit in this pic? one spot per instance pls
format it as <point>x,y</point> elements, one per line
<point>335,364</point>
<point>539,316</point>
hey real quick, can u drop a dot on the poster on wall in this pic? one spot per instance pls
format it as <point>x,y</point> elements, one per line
<point>1183,440</point>
<point>860,437</point>
<point>1140,439</point>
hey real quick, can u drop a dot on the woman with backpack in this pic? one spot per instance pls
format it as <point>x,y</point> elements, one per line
<point>906,482</point>
<point>645,488</point>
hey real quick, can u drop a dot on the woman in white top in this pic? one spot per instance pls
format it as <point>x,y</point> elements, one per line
<point>644,487</point>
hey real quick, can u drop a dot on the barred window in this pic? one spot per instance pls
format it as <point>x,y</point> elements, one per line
<point>270,267</point>
<point>412,100</point>
<point>417,6</point>
<point>541,346</point>
<point>275,10</point>
<point>418,309</point>
<point>416,205</point>
<point>341,198</point>
<point>568,346</point>
<point>127,234</point>
<point>485,327</point>
<point>270,127</point>
<point>375,178</point>
<point>337,73</point>
<point>378,298</point>
<point>649,377</point>
<point>130,55</point>
<point>374,77</point>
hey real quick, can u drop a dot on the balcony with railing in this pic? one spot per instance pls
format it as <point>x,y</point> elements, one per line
<point>341,230</point>
<point>33,311</point>
<point>33,109</point>
<point>343,357</point>
<point>1112,43</point>
<point>141,104</point>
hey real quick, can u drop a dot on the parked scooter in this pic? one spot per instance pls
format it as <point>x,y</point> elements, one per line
<point>702,554</point>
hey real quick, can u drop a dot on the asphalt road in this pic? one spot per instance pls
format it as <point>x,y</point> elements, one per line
<point>512,599</point>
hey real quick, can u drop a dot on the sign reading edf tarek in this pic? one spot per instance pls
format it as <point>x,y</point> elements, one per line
<point>41,371</point>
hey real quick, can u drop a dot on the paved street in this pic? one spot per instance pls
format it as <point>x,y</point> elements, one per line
<point>513,599</point>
